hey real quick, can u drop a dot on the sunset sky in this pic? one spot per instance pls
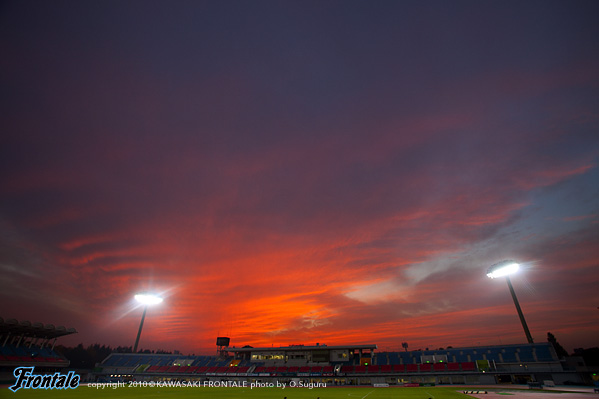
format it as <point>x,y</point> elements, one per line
<point>294,172</point>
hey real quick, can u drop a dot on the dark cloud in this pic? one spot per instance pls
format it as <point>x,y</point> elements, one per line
<point>303,171</point>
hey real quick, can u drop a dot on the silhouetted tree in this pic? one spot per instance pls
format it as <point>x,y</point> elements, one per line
<point>590,356</point>
<point>561,352</point>
<point>404,345</point>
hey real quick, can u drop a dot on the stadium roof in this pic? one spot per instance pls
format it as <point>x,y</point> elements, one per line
<point>301,348</point>
<point>37,330</point>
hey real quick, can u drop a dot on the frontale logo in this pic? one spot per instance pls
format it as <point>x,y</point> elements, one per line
<point>26,379</point>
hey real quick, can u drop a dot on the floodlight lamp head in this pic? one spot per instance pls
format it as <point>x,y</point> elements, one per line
<point>503,269</point>
<point>148,299</point>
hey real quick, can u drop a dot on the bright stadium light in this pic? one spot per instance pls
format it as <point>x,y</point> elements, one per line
<point>504,269</point>
<point>148,299</point>
<point>145,299</point>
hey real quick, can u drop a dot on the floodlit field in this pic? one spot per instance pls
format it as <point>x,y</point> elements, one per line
<point>256,393</point>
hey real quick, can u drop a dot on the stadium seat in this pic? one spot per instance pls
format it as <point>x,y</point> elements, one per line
<point>453,366</point>
<point>468,366</point>
<point>439,367</point>
<point>525,354</point>
<point>201,361</point>
<point>406,357</point>
<point>510,356</point>
<point>411,368</point>
<point>543,353</point>
<point>381,358</point>
<point>426,367</point>
<point>386,368</point>
<point>493,354</point>
<point>461,358</point>
<point>399,368</point>
<point>347,369</point>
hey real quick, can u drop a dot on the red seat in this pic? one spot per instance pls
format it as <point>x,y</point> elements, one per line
<point>425,367</point>
<point>468,366</point>
<point>411,368</point>
<point>439,366</point>
<point>453,366</point>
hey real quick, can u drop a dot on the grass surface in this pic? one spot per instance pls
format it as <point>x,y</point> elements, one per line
<point>256,393</point>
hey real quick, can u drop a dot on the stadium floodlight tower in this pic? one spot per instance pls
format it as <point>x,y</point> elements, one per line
<point>504,269</point>
<point>145,299</point>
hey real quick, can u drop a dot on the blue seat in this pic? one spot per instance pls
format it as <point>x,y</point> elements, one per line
<point>509,356</point>
<point>544,353</point>
<point>406,357</point>
<point>525,354</point>
<point>493,355</point>
<point>394,358</point>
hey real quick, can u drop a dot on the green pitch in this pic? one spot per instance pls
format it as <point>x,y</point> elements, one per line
<point>233,393</point>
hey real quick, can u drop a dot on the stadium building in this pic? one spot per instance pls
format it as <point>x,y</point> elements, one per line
<point>349,365</point>
<point>25,344</point>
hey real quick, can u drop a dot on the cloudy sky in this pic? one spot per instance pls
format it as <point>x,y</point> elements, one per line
<point>293,172</point>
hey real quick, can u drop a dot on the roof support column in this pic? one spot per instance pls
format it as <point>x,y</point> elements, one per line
<point>20,339</point>
<point>6,340</point>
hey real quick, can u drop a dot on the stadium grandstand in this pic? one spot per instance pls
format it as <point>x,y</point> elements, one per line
<point>348,365</point>
<point>23,343</point>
